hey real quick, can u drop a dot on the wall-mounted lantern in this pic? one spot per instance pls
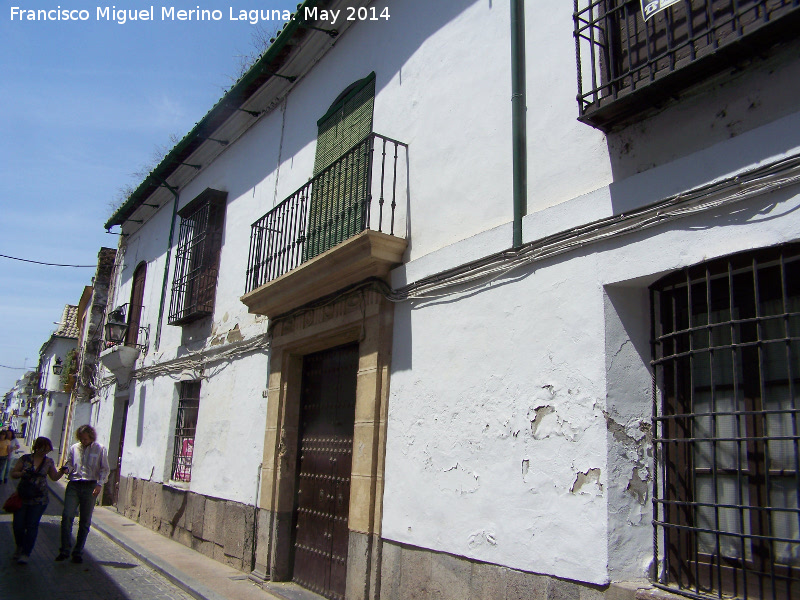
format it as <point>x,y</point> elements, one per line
<point>58,367</point>
<point>116,327</point>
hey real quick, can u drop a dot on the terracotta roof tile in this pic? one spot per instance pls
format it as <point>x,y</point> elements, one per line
<point>68,327</point>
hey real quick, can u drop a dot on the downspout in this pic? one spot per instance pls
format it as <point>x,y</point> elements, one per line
<point>166,267</point>
<point>518,122</point>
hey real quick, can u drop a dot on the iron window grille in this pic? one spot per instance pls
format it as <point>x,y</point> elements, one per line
<point>627,65</point>
<point>185,428</point>
<point>726,345</point>
<point>194,284</point>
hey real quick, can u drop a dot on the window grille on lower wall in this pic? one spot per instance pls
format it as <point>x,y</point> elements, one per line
<point>726,346</point>
<point>185,428</point>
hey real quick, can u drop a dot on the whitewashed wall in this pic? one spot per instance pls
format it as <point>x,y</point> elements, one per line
<point>55,403</point>
<point>517,413</point>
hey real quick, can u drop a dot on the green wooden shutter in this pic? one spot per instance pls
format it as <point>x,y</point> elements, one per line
<point>340,195</point>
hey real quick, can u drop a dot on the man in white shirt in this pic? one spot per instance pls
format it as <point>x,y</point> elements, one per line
<point>87,466</point>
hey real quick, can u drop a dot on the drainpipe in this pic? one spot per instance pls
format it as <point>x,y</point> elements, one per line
<point>518,123</point>
<point>166,267</point>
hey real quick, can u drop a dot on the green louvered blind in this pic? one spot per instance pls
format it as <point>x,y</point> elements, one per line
<point>340,195</point>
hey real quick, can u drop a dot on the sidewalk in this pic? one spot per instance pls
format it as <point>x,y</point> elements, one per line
<point>198,575</point>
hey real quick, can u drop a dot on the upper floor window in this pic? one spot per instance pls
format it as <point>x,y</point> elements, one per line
<point>133,337</point>
<point>627,65</point>
<point>194,284</point>
<point>340,199</point>
<point>727,364</point>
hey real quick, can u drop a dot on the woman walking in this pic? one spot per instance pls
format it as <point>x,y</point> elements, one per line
<point>5,444</point>
<point>13,446</point>
<point>32,470</point>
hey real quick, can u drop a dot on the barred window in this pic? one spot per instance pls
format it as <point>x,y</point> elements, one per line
<point>620,53</point>
<point>194,284</point>
<point>727,364</point>
<point>185,427</point>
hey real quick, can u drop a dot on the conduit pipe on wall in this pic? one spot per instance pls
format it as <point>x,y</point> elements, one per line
<point>518,122</point>
<point>166,267</point>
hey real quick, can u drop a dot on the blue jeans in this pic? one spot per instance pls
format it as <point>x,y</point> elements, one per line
<point>26,526</point>
<point>4,468</point>
<point>77,497</point>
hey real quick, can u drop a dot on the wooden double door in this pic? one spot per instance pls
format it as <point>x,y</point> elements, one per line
<point>325,453</point>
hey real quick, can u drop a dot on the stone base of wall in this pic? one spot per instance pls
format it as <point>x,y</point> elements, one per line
<point>219,529</point>
<point>224,530</point>
<point>414,573</point>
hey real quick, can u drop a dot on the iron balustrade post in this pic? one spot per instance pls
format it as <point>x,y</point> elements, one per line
<point>369,148</point>
<point>394,186</point>
<point>383,176</point>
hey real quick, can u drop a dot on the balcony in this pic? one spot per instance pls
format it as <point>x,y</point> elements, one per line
<point>337,229</point>
<point>627,66</point>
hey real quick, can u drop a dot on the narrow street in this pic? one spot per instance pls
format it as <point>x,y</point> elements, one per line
<point>108,572</point>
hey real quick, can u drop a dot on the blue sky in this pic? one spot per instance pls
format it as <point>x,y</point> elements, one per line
<point>83,106</point>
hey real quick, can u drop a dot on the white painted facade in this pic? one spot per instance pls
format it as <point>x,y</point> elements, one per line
<point>15,405</point>
<point>53,403</point>
<point>520,405</point>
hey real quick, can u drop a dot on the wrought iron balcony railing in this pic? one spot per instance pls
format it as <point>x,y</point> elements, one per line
<point>627,65</point>
<point>357,192</point>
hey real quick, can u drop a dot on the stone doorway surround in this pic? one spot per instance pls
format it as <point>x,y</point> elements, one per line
<point>366,317</point>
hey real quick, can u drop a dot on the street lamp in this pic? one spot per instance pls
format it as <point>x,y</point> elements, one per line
<point>116,327</point>
<point>58,368</point>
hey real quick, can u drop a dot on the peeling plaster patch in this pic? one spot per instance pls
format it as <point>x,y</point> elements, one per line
<point>637,488</point>
<point>540,413</point>
<point>546,422</point>
<point>457,479</point>
<point>589,480</point>
<point>482,538</point>
<point>636,438</point>
<point>620,432</point>
<point>235,335</point>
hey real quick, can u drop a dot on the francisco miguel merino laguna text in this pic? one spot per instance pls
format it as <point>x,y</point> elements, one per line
<point>170,13</point>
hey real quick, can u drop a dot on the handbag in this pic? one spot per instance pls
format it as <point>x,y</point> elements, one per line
<point>13,503</point>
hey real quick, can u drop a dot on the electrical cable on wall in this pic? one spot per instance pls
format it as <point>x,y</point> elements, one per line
<point>482,272</point>
<point>749,184</point>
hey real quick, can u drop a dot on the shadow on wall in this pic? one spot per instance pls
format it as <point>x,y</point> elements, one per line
<point>406,35</point>
<point>140,423</point>
<point>628,421</point>
<point>662,155</point>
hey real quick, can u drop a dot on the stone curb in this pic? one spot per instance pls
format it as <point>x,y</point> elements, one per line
<point>188,584</point>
